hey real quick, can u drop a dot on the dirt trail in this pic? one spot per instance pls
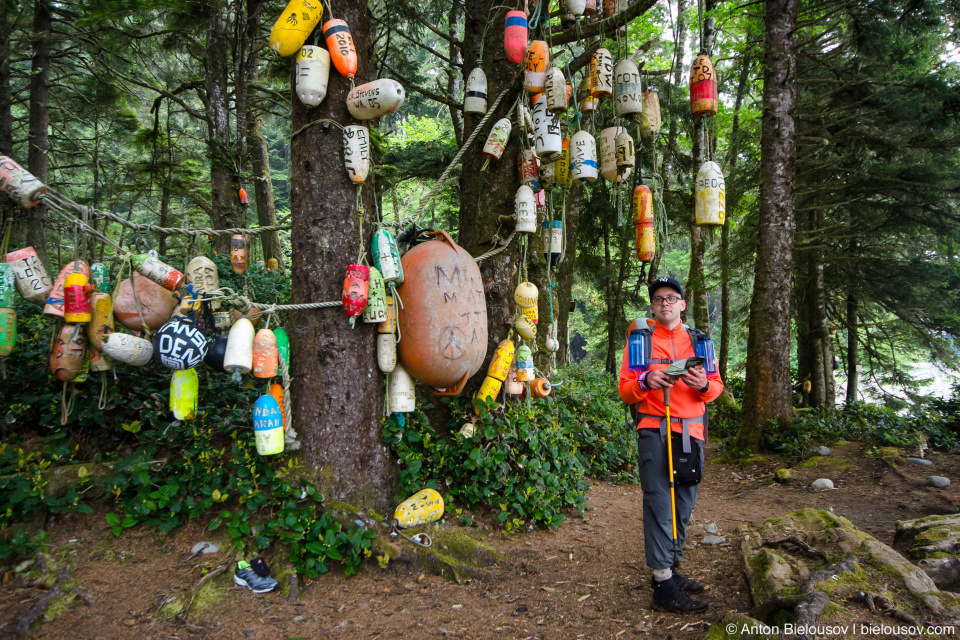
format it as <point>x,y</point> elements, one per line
<point>586,580</point>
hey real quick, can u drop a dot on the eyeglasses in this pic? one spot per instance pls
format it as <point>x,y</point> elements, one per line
<point>665,300</point>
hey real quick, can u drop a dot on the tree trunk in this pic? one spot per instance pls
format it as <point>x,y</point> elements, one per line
<point>564,291</point>
<point>767,395</point>
<point>6,97</point>
<point>853,344</point>
<point>454,76</point>
<point>337,389</point>
<point>39,138</point>
<point>673,131</point>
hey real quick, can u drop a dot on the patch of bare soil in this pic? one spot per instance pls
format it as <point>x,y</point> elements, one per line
<point>586,580</point>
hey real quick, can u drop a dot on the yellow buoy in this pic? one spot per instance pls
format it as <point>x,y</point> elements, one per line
<point>294,26</point>
<point>422,507</point>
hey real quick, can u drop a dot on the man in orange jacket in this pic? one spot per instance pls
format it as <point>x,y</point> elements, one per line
<point>689,393</point>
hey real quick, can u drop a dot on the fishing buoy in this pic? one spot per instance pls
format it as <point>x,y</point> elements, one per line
<point>294,26</point>
<point>217,351</point>
<point>402,398</point>
<point>77,293</point>
<point>184,393</point>
<point>601,74</point>
<point>238,253</point>
<point>546,127</point>
<point>127,349</point>
<point>498,138</point>
<point>583,157</point>
<point>551,343</point>
<point>239,353</point>
<point>8,314</point>
<point>563,164</point>
<point>376,307</point>
<point>703,87</point>
<point>475,93</point>
<point>548,174</point>
<point>356,286</point>
<point>555,88</point>
<point>650,118</point>
<point>180,344</point>
<point>375,99</point>
<point>525,209</point>
<point>283,344</point>
<point>646,239</point>
<point>626,155</point>
<point>613,7</point>
<point>489,389</point>
<point>242,196</point>
<point>7,285</point>
<point>423,507</point>
<point>386,343</point>
<point>524,121</point>
<point>32,281</point>
<point>160,272</point>
<point>356,152</point>
<point>525,371</point>
<point>156,304</point>
<point>540,388</point>
<point>69,349</point>
<point>552,240</point>
<point>276,391</point>
<point>513,385</point>
<point>268,426</point>
<point>273,264</point>
<point>501,361</point>
<point>101,324</point>
<point>515,36</point>
<point>710,195</point>
<point>608,155</point>
<point>311,75</point>
<point>99,361</point>
<point>526,295</point>
<point>590,7</point>
<point>200,277</point>
<point>535,67</point>
<point>55,302</point>
<point>525,327</point>
<point>100,278</point>
<point>20,185</point>
<point>336,34</point>
<point>588,104</point>
<point>532,314</point>
<point>629,97</point>
<point>575,7</point>
<point>528,170</point>
<point>265,360</point>
<point>386,257</point>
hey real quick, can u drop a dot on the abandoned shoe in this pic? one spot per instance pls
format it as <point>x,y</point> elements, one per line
<point>686,584</point>
<point>245,576</point>
<point>667,596</point>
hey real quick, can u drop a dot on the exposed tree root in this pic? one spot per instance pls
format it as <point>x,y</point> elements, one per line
<point>196,588</point>
<point>21,625</point>
<point>806,549</point>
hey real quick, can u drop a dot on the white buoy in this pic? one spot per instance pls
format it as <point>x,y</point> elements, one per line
<point>709,195</point>
<point>33,283</point>
<point>356,152</point>
<point>498,138</point>
<point>475,95</point>
<point>556,91</point>
<point>650,118</point>
<point>312,74</point>
<point>608,155</point>
<point>546,128</point>
<point>629,97</point>
<point>626,155</point>
<point>526,210</point>
<point>386,352</point>
<point>601,74</point>
<point>575,7</point>
<point>583,157</point>
<point>403,398</point>
<point>375,99</point>
<point>23,187</point>
<point>239,354</point>
<point>128,349</point>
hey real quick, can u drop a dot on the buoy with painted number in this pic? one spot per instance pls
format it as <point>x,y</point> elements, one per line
<point>710,195</point>
<point>525,209</point>
<point>356,286</point>
<point>312,75</point>
<point>32,281</point>
<point>200,277</point>
<point>704,99</point>
<point>629,97</point>
<point>336,34</point>
<point>375,99</point>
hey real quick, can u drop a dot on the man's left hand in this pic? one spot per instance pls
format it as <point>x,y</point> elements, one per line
<point>695,378</point>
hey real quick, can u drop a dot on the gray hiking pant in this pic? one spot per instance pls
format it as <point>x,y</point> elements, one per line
<point>657,527</point>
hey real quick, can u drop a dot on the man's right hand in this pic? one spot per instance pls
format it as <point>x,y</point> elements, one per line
<point>657,380</point>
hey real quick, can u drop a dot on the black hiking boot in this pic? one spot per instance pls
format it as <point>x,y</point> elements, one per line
<point>686,584</point>
<point>667,596</point>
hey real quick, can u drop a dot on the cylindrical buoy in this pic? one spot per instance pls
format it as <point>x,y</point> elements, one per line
<point>535,69</point>
<point>500,363</point>
<point>540,388</point>
<point>525,372</point>
<point>513,385</point>
<point>376,308</point>
<point>239,244</point>
<point>601,74</point>
<point>312,74</point>
<point>423,507</point>
<point>101,324</point>
<point>375,99</point>
<point>590,7</point>
<point>556,90</point>
<point>283,345</point>
<point>100,278</point>
<point>626,155</point>
<point>160,272</point>
<point>489,389</point>
<point>515,36</point>
<point>77,297</point>
<point>66,358</point>
<point>127,349</point>
<point>563,164</point>
<point>356,152</point>
<point>525,327</point>
<point>608,155</point>
<point>526,210</point>
<point>184,392</point>
<point>55,302</point>
<point>629,98</point>
<point>588,104</point>
<point>552,240</point>
<point>401,393</point>
<point>527,168</point>
<point>643,223</point>
<point>526,295</point>
<point>273,264</point>
<point>356,286</point>
<point>8,330</point>
<point>524,120</point>
<point>532,314</point>
<point>336,34</point>
<point>276,391</point>
<point>265,362</point>
<point>546,127</point>
<point>242,196</point>
<point>497,139</point>
<point>703,87</point>
<point>216,351</point>
<point>583,157</point>
<point>650,118</point>
<point>200,277</point>
<point>386,352</point>
<point>386,257</point>
<point>710,195</point>
<point>475,93</point>
<point>180,344</point>
<point>23,187</point>
<point>239,354</point>
<point>294,26</point>
<point>32,281</point>
<point>268,426</point>
<point>154,304</point>
<point>575,7</point>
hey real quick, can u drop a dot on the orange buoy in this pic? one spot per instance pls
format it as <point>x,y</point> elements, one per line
<point>643,222</point>
<point>276,391</point>
<point>156,304</point>
<point>336,33</point>
<point>66,359</point>
<point>265,360</point>
<point>515,36</point>
<point>540,388</point>
<point>55,302</point>
<point>356,287</point>
<point>535,71</point>
<point>238,253</point>
<point>703,87</point>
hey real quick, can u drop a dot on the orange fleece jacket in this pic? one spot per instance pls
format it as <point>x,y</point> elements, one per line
<point>684,401</point>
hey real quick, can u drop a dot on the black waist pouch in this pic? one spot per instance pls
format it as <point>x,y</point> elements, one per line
<point>687,471</point>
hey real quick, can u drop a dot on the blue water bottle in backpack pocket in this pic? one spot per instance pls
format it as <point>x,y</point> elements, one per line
<point>704,349</point>
<point>637,346</point>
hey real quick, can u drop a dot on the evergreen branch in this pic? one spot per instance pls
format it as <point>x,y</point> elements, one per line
<point>607,25</point>
<point>418,43</point>
<point>419,18</point>
<point>424,92</point>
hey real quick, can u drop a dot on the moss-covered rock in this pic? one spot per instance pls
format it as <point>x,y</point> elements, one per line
<point>784,476</point>
<point>454,555</point>
<point>934,543</point>
<point>838,463</point>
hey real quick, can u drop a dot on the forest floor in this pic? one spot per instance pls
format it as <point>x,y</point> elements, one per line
<point>587,579</point>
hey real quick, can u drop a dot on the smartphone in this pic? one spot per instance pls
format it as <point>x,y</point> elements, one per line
<point>679,367</point>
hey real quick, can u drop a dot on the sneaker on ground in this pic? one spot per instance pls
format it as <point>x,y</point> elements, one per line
<point>667,596</point>
<point>245,576</point>
<point>686,584</point>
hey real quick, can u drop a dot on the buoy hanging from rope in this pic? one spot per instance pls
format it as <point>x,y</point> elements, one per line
<point>273,264</point>
<point>238,357</point>
<point>608,155</point>
<point>283,344</point>
<point>356,286</point>
<point>386,257</point>
<point>294,26</point>
<point>77,294</point>
<point>8,314</point>
<point>525,371</point>
<point>33,283</point>
<point>403,399</point>
<point>528,170</point>
<point>590,7</point>
<point>546,127</point>
<point>242,196</point>
<point>515,36</point>
<point>128,349</point>
<point>99,361</point>
<point>239,244</point>
<point>376,307</point>
<point>601,74</point>
<point>497,139</point>
<point>336,34</point>
<point>217,351</point>
<point>535,67</point>
<point>311,75</point>
<point>356,152</point>
<point>703,87</point>
<point>55,302</point>
<point>626,154</point>
<point>180,344</point>
<point>154,303</point>
<point>525,327</point>
<point>575,7</point>
<point>563,165</point>
<point>69,349</point>
<point>583,157</point>
<point>555,89</point>
<point>184,393</point>
<point>551,343</point>
<point>525,209</point>
<point>650,118</point>
<point>101,324</point>
<point>475,93</point>
<point>629,97</point>
<point>268,426</point>
<point>497,371</point>
<point>100,278</point>
<point>160,272</point>
<point>552,240</point>
<point>265,360</point>
<point>375,99</point>
<point>526,295</point>
<point>532,314</point>
<point>200,277</point>
<point>386,343</point>
<point>646,239</point>
<point>540,388</point>
<point>276,391</point>
<point>710,195</point>
<point>513,385</point>
<point>20,185</point>
<point>588,104</point>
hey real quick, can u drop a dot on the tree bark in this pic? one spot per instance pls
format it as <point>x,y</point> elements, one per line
<point>767,395</point>
<point>564,293</point>
<point>853,344</point>
<point>673,131</point>
<point>39,137</point>
<point>337,389</point>
<point>6,97</point>
<point>455,80</point>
